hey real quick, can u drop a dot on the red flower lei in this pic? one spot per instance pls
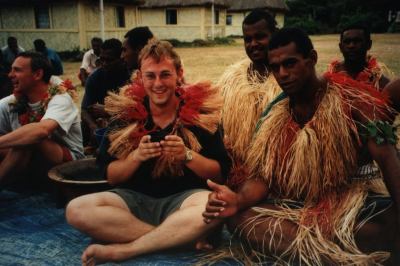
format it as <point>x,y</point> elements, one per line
<point>25,113</point>
<point>32,116</point>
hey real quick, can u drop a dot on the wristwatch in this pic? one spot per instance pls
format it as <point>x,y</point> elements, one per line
<point>188,155</point>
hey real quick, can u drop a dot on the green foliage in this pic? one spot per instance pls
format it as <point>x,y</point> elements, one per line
<point>178,43</point>
<point>394,27</point>
<point>224,41</point>
<point>373,20</point>
<point>74,55</point>
<point>308,25</point>
<point>202,43</point>
<point>380,131</point>
<point>323,16</point>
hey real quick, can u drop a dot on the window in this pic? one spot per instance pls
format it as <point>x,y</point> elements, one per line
<point>229,20</point>
<point>120,16</point>
<point>42,17</point>
<point>216,17</point>
<point>171,16</point>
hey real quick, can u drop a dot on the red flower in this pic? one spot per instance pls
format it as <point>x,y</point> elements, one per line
<point>138,112</point>
<point>363,76</point>
<point>372,63</point>
<point>193,96</point>
<point>23,119</point>
<point>135,90</point>
<point>45,96</point>
<point>68,84</point>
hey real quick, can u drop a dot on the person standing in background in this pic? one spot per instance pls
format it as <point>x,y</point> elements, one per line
<point>134,41</point>
<point>91,60</point>
<point>10,51</point>
<point>40,46</point>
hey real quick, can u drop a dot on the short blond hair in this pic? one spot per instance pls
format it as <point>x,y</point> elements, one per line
<point>159,50</point>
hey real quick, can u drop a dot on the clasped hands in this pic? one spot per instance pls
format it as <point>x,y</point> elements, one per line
<point>222,202</point>
<point>172,146</point>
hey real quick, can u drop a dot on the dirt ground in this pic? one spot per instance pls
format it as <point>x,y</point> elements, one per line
<point>208,63</point>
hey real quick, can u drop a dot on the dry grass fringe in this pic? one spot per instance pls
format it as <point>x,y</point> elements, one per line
<point>327,140</point>
<point>378,186</point>
<point>311,246</point>
<point>117,104</point>
<point>210,111</point>
<point>245,97</point>
<point>386,71</point>
<point>122,143</point>
<point>316,168</point>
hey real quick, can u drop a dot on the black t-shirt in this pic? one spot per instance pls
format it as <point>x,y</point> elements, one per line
<point>143,181</point>
<point>99,83</point>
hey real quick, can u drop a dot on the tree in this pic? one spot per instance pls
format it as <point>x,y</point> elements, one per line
<point>322,16</point>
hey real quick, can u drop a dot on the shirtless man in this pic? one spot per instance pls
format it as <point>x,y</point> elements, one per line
<point>310,204</point>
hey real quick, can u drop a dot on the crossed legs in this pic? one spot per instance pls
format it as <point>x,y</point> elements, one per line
<point>261,235</point>
<point>258,233</point>
<point>106,217</point>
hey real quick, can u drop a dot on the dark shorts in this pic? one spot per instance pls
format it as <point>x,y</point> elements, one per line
<point>374,204</point>
<point>153,210</point>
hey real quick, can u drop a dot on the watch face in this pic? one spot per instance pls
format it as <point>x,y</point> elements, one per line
<point>189,155</point>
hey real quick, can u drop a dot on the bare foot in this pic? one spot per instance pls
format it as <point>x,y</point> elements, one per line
<point>203,245</point>
<point>96,254</point>
<point>212,240</point>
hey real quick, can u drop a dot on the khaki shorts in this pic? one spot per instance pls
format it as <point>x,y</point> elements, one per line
<point>153,210</point>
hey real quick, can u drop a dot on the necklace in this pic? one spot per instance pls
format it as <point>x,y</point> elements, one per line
<point>27,114</point>
<point>31,114</point>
